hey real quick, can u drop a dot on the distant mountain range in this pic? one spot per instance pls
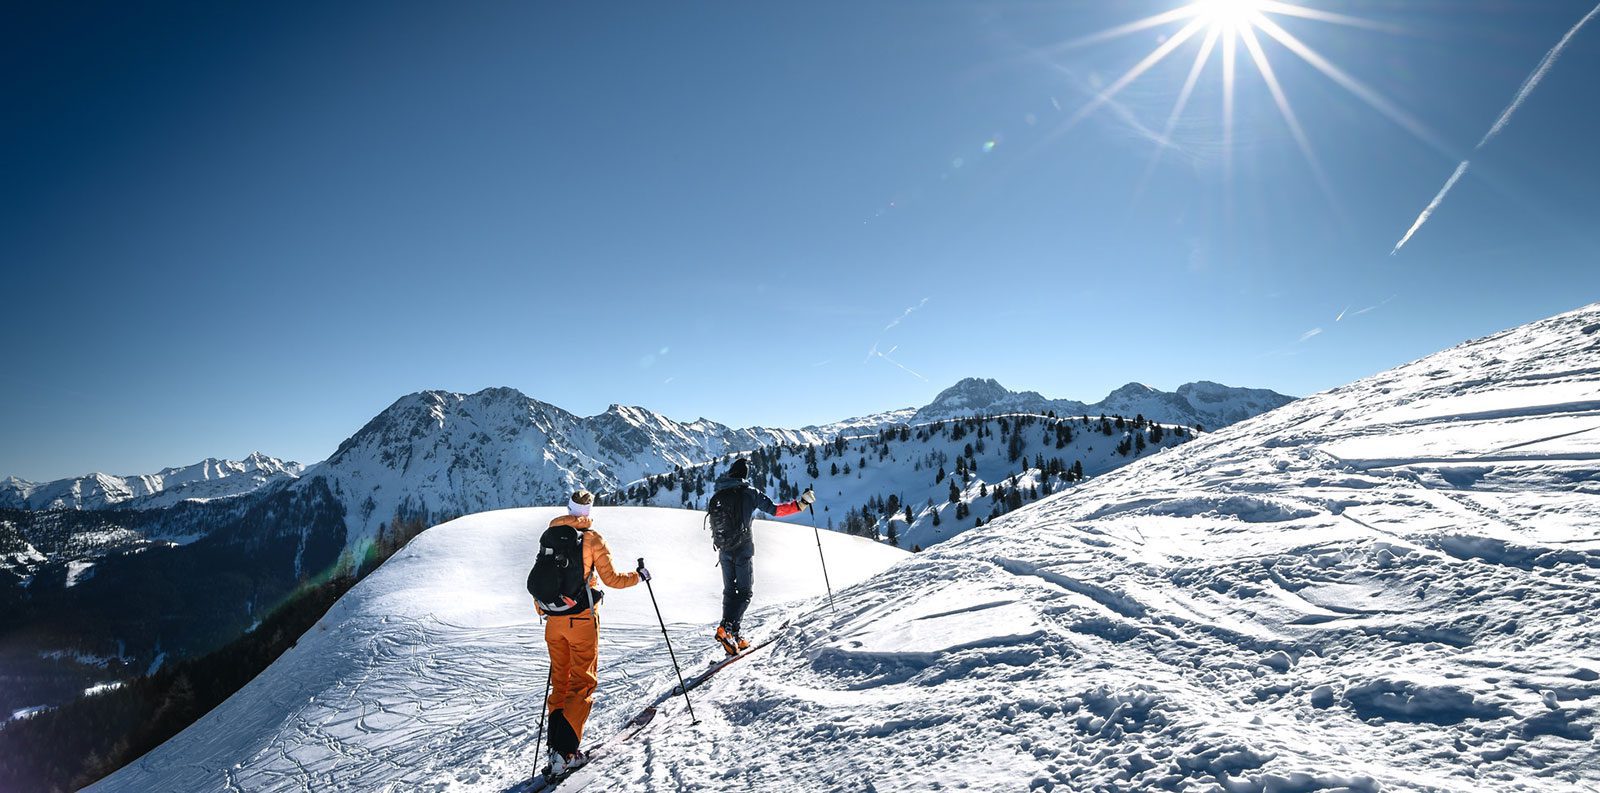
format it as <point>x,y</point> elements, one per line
<point>445,453</point>
<point>208,479</point>
<point>1205,404</point>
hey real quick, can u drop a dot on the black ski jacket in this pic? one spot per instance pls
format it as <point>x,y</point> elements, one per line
<point>744,511</point>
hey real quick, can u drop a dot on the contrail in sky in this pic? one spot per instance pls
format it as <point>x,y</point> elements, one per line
<point>1538,74</point>
<point>1500,124</point>
<point>875,353</point>
<point>906,313</point>
<point>1461,170</point>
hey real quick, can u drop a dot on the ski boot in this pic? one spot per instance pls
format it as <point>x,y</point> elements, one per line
<point>728,639</point>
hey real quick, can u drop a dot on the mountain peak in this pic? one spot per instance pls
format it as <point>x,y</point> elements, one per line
<point>499,393</point>
<point>1210,404</point>
<point>1133,390</point>
<point>974,394</point>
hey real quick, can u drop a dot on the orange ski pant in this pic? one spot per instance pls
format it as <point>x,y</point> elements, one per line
<point>574,666</point>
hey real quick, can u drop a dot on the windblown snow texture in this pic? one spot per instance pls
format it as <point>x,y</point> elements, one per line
<point>1390,585</point>
<point>429,673</point>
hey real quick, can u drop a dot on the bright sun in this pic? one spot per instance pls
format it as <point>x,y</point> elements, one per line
<point>1235,31</point>
<point>1227,13</point>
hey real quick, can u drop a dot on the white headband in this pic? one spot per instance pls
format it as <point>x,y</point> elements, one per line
<point>580,510</point>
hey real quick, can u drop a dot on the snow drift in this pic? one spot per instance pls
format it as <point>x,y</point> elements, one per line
<point>428,674</point>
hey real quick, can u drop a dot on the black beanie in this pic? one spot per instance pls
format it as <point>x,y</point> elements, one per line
<point>740,469</point>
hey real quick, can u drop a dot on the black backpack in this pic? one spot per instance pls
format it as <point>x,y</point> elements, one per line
<point>559,571</point>
<point>728,527</point>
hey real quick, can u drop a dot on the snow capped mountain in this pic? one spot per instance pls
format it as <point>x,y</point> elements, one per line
<point>975,395</point>
<point>210,478</point>
<point>1207,404</point>
<point>437,453</point>
<point>429,673</point>
<point>1225,405</point>
<point>551,450</point>
<point>863,425</point>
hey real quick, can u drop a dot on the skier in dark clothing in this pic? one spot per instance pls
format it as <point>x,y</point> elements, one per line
<point>732,509</point>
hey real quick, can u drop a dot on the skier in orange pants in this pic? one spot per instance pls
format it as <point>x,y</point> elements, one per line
<point>564,591</point>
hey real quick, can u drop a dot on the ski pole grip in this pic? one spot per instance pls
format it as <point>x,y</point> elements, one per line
<point>641,563</point>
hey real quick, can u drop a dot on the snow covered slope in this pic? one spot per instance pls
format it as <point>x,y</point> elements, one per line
<point>1207,404</point>
<point>428,675</point>
<point>208,479</point>
<point>1391,585</point>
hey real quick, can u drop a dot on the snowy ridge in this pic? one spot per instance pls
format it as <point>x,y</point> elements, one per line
<point>210,478</point>
<point>863,425</point>
<point>917,485</point>
<point>1207,404</point>
<point>428,674</point>
<point>1385,586</point>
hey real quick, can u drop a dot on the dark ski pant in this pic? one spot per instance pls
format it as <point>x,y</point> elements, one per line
<point>738,579</point>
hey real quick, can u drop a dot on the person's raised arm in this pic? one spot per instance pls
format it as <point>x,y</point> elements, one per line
<point>608,572</point>
<point>786,509</point>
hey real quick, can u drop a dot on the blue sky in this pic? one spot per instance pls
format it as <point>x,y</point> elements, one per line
<point>231,228</point>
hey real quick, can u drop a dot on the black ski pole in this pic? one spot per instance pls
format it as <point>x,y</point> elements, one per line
<point>674,656</point>
<point>813,507</point>
<point>544,705</point>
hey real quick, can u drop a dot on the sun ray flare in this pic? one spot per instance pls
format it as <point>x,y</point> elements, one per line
<point>1253,45</point>
<point>1229,57</point>
<point>1228,25</point>
<point>1317,14</point>
<point>1135,26</point>
<point>1195,70</point>
<point>1371,97</point>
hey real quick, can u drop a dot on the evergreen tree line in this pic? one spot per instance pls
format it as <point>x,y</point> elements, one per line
<point>883,517</point>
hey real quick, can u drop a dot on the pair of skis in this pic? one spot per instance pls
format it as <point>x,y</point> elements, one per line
<point>582,776</point>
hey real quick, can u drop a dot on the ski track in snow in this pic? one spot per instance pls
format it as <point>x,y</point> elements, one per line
<point>429,674</point>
